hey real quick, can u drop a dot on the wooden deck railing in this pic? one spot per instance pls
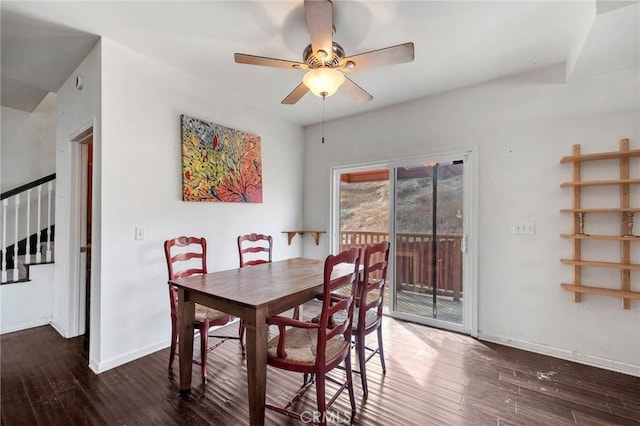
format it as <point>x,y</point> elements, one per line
<point>413,260</point>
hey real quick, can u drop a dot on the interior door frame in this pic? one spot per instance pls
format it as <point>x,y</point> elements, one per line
<point>77,259</point>
<point>470,228</point>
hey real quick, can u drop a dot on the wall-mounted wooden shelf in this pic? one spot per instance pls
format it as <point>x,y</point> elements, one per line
<point>315,234</point>
<point>626,237</point>
<point>600,237</point>
<point>601,155</point>
<point>599,182</point>
<point>601,290</point>
<point>603,210</point>
<point>615,265</point>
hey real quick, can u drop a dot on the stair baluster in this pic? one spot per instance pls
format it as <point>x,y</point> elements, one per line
<point>38,249</point>
<point>49,189</point>
<point>16,270</point>
<point>5,204</point>
<point>27,256</point>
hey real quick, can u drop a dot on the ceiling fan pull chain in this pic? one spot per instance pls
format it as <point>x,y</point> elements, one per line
<point>323,99</point>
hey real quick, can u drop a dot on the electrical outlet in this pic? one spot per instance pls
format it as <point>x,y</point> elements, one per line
<point>529,228</point>
<point>524,228</point>
<point>139,232</point>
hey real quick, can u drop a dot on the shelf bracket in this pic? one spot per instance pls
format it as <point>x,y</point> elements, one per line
<point>581,223</point>
<point>315,234</point>
<point>630,215</point>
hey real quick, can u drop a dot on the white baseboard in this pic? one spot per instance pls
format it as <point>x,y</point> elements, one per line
<point>25,325</point>
<point>102,366</point>
<point>98,366</point>
<point>594,361</point>
<point>59,328</point>
<point>93,365</point>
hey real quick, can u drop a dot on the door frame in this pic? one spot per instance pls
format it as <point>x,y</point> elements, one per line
<point>77,260</point>
<point>470,226</point>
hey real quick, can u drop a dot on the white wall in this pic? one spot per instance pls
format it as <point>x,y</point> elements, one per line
<point>27,304</point>
<point>522,127</point>
<point>140,160</point>
<point>75,109</point>
<point>24,133</point>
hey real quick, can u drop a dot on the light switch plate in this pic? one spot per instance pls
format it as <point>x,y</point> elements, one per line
<point>524,228</point>
<point>139,232</point>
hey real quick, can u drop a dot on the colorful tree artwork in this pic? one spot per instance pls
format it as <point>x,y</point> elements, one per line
<point>219,163</point>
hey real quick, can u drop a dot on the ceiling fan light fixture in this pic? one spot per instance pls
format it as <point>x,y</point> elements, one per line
<point>323,82</point>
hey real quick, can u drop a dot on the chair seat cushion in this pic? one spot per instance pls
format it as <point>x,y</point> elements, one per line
<point>370,318</point>
<point>203,313</point>
<point>301,345</point>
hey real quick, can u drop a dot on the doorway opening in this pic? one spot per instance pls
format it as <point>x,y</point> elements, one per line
<point>81,291</point>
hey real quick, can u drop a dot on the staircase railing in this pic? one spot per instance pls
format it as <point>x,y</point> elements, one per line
<point>17,216</point>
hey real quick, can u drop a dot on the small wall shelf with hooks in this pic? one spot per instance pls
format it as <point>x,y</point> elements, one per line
<point>315,234</point>
<point>627,215</point>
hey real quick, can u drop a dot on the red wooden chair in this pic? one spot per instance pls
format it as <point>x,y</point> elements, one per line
<point>253,249</point>
<point>187,256</point>
<point>369,303</point>
<point>314,349</point>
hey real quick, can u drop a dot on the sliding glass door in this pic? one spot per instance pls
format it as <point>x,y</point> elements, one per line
<point>422,206</point>
<point>429,242</point>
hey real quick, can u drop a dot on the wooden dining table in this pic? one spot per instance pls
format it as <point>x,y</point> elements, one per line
<point>253,293</point>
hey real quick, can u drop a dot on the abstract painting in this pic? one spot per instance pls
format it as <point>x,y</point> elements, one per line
<point>219,164</point>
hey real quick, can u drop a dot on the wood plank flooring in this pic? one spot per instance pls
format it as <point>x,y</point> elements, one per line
<point>433,377</point>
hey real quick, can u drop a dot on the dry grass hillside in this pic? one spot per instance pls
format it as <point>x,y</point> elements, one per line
<point>365,206</point>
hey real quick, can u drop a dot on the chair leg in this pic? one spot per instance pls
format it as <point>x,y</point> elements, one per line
<point>322,403</point>
<point>204,342</point>
<point>362,361</point>
<point>174,341</point>
<point>241,334</point>
<point>352,398</point>
<point>380,350</point>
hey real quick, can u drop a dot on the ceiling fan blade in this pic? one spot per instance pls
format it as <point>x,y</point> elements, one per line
<point>320,24</point>
<point>354,92</point>
<point>241,58</point>
<point>295,95</point>
<point>387,56</point>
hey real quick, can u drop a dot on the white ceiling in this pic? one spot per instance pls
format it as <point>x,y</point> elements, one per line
<point>457,43</point>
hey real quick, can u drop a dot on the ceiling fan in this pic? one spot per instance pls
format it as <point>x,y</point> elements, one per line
<point>325,60</point>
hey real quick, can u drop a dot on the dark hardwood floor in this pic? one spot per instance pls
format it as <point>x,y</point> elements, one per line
<point>433,377</point>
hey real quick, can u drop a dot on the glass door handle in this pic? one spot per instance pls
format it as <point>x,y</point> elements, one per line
<point>464,244</point>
